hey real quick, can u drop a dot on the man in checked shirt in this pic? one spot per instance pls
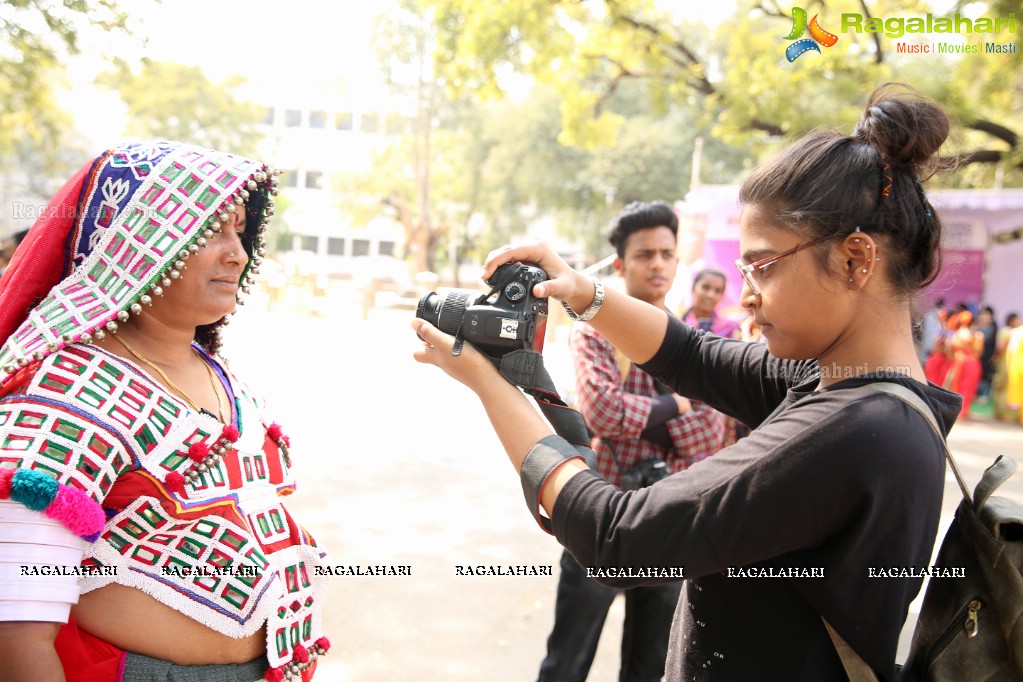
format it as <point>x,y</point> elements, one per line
<point>634,420</point>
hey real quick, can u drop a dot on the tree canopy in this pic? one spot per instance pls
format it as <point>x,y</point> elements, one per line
<point>737,75</point>
<point>35,38</point>
<point>178,102</point>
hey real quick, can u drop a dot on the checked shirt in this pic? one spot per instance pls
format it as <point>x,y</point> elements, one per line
<point>616,409</point>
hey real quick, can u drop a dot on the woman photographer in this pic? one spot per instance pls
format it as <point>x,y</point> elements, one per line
<point>836,237</point>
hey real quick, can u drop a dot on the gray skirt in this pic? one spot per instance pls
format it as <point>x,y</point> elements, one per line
<point>139,668</point>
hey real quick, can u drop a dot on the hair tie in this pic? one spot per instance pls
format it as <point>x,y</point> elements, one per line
<point>886,190</point>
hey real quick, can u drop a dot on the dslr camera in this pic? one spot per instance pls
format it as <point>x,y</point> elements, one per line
<point>643,474</point>
<point>508,318</point>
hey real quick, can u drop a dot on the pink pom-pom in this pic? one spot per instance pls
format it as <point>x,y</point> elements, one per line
<point>323,643</point>
<point>287,441</point>
<point>230,433</point>
<point>274,675</point>
<point>301,654</point>
<point>197,452</point>
<point>6,476</point>
<point>175,483</point>
<point>77,512</point>
<point>274,431</point>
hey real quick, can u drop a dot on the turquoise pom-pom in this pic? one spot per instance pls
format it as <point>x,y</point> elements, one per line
<point>33,489</point>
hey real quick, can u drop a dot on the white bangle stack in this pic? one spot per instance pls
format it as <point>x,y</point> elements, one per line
<point>38,556</point>
<point>594,307</point>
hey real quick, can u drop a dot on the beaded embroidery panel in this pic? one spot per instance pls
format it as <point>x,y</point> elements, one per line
<point>227,554</point>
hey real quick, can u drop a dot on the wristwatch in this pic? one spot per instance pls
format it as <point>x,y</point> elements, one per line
<point>587,315</point>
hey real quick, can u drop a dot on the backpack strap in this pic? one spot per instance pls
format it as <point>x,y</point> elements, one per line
<point>855,667</point>
<point>995,475</point>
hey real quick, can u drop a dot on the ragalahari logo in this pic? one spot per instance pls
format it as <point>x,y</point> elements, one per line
<point>817,35</point>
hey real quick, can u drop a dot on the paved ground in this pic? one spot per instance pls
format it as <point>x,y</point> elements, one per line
<point>397,466</point>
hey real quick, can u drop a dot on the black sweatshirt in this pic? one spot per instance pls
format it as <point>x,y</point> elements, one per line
<point>829,487</point>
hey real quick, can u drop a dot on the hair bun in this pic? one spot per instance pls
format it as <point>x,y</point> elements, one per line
<point>904,127</point>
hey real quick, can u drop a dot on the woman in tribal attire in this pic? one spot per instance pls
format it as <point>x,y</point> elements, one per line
<point>126,441</point>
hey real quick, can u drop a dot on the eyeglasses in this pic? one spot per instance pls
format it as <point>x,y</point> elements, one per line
<point>747,270</point>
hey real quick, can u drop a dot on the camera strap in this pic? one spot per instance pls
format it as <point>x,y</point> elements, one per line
<point>525,369</point>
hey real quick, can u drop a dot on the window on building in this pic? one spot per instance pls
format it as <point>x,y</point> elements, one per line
<point>310,242</point>
<point>343,121</point>
<point>335,246</point>
<point>360,247</point>
<point>386,248</point>
<point>314,179</point>
<point>268,116</point>
<point>289,178</point>
<point>317,119</point>
<point>369,123</point>
<point>397,124</point>
<point>293,118</point>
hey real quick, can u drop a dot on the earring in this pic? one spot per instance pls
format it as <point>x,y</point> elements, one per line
<point>864,269</point>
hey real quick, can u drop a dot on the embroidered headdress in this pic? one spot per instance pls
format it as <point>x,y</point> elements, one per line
<point>117,234</point>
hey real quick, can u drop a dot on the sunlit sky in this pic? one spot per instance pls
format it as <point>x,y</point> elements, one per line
<point>284,46</point>
<point>292,47</point>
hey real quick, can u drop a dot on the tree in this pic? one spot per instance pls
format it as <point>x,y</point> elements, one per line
<point>35,37</point>
<point>737,76</point>
<point>405,40</point>
<point>522,171</point>
<point>178,102</point>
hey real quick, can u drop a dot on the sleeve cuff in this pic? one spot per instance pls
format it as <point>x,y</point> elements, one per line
<point>540,462</point>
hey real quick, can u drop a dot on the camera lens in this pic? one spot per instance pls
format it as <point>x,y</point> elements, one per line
<point>444,312</point>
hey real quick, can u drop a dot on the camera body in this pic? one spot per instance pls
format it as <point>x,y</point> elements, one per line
<point>510,318</point>
<point>643,474</point>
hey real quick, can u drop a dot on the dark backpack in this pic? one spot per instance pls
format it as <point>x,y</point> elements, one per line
<point>971,628</point>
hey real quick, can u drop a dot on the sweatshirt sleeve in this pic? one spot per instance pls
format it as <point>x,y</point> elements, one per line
<point>806,476</point>
<point>740,379</point>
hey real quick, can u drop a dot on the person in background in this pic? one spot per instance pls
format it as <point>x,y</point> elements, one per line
<point>1014,372</point>
<point>939,361</point>
<point>964,370</point>
<point>927,334</point>
<point>1000,381</point>
<point>130,454</point>
<point>987,327</point>
<point>640,428</point>
<point>708,288</point>
<point>751,331</point>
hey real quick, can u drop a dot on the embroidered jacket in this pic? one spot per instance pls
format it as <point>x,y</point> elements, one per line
<point>224,552</point>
